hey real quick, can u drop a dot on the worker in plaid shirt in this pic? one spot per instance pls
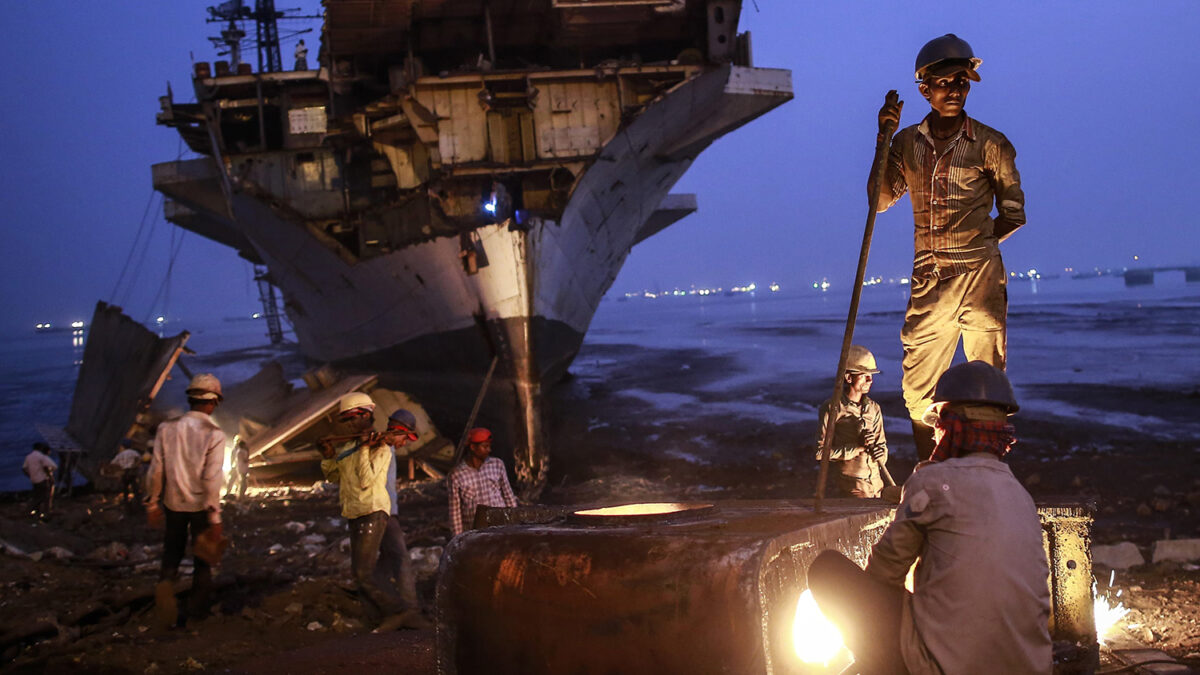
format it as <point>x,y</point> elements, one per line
<point>479,479</point>
<point>954,169</point>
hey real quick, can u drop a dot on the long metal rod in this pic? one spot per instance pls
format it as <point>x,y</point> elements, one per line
<point>835,405</point>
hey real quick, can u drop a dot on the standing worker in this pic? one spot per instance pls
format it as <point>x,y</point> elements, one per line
<point>359,465</point>
<point>859,445</point>
<point>980,601</point>
<point>479,479</point>
<point>128,461</point>
<point>394,569</point>
<point>184,493</point>
<point>301,56</point>
<point>954,168</point>
<point>40,469</point>
<point>239,472</point>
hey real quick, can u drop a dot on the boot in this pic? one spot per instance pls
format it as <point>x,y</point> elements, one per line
<point>923,438</point>
<point>166,609</point>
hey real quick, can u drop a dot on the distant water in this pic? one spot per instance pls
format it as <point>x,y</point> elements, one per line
<point>38,373</point>
<point>1060,331</point>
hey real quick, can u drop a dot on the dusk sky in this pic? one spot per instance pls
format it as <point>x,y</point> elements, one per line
<point>1098,98</point>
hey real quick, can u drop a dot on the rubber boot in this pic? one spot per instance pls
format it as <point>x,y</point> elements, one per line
<point>166,609</point>
<point>923,438</point>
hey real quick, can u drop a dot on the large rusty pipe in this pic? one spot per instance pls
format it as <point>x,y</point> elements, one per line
<point>689,589</point>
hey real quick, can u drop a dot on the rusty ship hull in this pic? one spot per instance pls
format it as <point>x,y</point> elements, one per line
<point>424,224</point>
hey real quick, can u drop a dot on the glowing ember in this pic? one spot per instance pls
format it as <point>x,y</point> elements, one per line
<point>1107,615</point>
<point>816,639</point>
<point>648,509</point>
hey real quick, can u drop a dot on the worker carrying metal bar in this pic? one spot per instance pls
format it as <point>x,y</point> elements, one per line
<point>980,602</point>
<point>954,169</point>
<point>359,464</point>
<point>859,445</point>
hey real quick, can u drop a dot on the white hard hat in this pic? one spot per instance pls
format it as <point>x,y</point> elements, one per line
<point>860,360</point>
<point>205,387</point>
<point>355,399</point>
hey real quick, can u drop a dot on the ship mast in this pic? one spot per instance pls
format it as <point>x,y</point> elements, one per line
<point>266,20</point>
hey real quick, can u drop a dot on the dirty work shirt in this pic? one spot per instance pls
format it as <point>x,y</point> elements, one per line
<point>980,601</point>
<point>38,465</point>
<point>471,487</point>
<point>361,475</point>
<point>859,427</point>
<point>952,195</point>
<point>186,465</point>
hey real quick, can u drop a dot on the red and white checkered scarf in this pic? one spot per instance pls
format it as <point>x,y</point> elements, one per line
<point>957,436</point>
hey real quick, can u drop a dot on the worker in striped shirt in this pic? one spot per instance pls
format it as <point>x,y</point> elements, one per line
<point>954,169</point>
<point>479,479</point>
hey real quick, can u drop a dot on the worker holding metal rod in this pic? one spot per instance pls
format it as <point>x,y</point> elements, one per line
<point>359,465</point>
<point>859,449</point>
<point>954,169</point>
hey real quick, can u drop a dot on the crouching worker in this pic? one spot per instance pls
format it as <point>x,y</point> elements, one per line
<point>859,445</point>
<point>359,465</point>
<point>980,601</point>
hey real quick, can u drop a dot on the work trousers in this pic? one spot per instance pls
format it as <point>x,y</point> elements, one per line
<point>861,488</point>
<point>973,306</point>
<point>131,485</point>
<point>366,536</point>
<point>394,571</point>
<point>175,539</point>
<point>40,501</point>
<point>866,611</point>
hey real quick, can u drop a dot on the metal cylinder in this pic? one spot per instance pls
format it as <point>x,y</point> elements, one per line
<point>682,588</point>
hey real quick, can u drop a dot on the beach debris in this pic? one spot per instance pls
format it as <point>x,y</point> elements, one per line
<point>1144,510</point>
<point>1176,550</point>
<point>1118,556</point>
<point>113,552</point>
<point>9,549</point>
<point>192,664</point>
<point>314,625</point>
<point>425,560</point>
<point>314,539</point>
<point>274,549</point>
<point>58,553</point>
<point>294,527</point>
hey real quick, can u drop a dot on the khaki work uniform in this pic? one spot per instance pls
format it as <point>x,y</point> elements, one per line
<point>958,286</point>
<point>859,427</point>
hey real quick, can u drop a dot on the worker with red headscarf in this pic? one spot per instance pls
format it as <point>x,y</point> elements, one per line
<point>980,602</point>
<point>478,480</point>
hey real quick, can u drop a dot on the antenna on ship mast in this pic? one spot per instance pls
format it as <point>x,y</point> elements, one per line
<point>266,20</point>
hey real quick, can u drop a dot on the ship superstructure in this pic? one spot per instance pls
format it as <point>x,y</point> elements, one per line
<point>459,180</point>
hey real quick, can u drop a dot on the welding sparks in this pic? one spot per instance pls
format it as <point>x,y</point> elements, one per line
<point>816,639</point>
<point>1107,615</point>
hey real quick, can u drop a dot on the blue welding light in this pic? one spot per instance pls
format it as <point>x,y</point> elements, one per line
<point>490,206</point>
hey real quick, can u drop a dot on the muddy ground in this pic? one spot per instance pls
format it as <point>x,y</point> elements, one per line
<point>284,601</point>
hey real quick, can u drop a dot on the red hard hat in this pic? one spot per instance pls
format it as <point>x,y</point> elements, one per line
<point>479,435</point>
